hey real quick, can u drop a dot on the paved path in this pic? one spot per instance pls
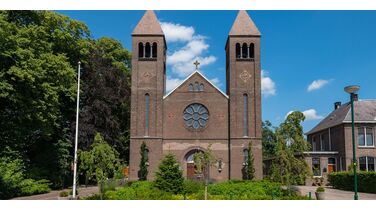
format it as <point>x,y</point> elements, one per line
<point>335,194</point>
<point>53,195</point>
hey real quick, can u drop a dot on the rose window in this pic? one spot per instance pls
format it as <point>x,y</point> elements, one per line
<point>196,116</point>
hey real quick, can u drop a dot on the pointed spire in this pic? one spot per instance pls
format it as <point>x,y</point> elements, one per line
<point>243,25</point>
<point>148,25</point>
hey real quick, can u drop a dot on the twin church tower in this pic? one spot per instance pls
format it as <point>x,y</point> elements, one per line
<point>196,115</point>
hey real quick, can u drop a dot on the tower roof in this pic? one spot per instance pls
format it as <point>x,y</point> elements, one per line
<point>243,25</point>
<point>148,25</point>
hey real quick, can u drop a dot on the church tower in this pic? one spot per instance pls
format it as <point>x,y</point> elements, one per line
<point>148,87</point>
<point>243,74</point>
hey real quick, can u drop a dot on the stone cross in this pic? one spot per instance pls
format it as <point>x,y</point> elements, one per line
<point>196,64</point>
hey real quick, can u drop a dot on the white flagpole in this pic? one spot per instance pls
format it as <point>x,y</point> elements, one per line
<point>76,137</point>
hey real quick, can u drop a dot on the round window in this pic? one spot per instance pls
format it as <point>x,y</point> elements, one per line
<point>196,116</point>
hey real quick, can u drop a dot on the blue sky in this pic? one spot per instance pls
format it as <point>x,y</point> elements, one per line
<point>307,57</point>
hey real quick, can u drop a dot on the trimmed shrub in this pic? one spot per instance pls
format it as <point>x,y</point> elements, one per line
<point>169,177</point>
<point>190,186</point>
<point>345,181</point>
<point>63,194</point>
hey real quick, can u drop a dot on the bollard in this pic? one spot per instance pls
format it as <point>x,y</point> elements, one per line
<point>273,195</point>
<point>310,195</point>
<point>185,196</point>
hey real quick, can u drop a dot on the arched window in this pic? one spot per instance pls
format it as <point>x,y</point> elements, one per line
<point>147,50</point>
<point>251,50</point>
<point>154,53</point>
<point>237,51</point>
<point>190,87</point>
<point>141,50</point>
<point>244,51</point>
<point>245,115</point>
<point>197,86</point>
<point>147,108</point>
<point>201,87</point>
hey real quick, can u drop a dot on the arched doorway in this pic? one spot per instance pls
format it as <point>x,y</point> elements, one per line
<point>191,169</point>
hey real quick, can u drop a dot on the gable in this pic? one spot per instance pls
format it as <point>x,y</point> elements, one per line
<point>200,84</point>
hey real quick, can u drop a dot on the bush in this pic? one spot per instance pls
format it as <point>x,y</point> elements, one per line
<point>320,189</point>
<point>71,192</point>
<point>169,176</point>
<point>63,194</point>
<point>236,190</point>
<point>345,181</point>
<point>13,181</point>
<point>190,186</point>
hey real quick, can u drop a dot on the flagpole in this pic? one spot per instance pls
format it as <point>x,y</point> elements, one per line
<point>76,136</point>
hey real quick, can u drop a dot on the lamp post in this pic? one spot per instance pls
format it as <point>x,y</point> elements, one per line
<point>352,89</point>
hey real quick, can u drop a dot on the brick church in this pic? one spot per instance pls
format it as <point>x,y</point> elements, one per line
<point>196,113</point>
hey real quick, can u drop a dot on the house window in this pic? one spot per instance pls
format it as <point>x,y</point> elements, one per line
<point>365,137</point>
<point>316,169</point>
<point>147,107</point>
<point>324,142</point>
<point>197,86</point>
<point>367,163</point>
<point>245,115</point>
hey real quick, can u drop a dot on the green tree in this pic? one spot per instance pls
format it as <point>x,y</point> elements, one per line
<point>144,162</point>
<point>268,140</point>
<point>289,165</point>
<point>169,176</point>
<point>98,164</point>
<point>249,166</point>
<point>203,161</point>
<point>39,51</point>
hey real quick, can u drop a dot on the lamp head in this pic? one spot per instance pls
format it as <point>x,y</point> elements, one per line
<point>352,89</point>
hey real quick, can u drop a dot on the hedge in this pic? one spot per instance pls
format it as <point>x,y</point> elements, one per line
<point>345,181</point>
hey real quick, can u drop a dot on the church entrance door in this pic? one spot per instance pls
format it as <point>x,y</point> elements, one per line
<point>191,168</point>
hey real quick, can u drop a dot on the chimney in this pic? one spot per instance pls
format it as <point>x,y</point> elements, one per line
<point>337,105</point>
<point>354,97</point>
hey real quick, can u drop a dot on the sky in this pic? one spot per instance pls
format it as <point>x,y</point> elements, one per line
<point>307,57</point>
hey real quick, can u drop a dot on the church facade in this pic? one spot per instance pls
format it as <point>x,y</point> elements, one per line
<point>196,115</point>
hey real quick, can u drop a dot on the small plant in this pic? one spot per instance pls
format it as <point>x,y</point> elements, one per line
<point>320,189</point>
<point>63,194</point>
<point>71,192</point>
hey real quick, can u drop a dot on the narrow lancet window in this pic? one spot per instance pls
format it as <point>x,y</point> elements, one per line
<point>251,50</point>
<point>244,51</point>
<point>245,115</point>
<point>147,108</point>
<point>147,50</point>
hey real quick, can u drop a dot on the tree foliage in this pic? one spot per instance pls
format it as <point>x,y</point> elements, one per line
<point>289,166</point>
<point>39,51</point>
<point>99,163</point>
<point>169,176</point>
<point>268,140</point>
<point>249,165</point>
<point>144,162</point>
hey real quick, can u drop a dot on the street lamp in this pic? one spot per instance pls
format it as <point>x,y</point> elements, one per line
<point>352,89</point>
<point>76,135</point>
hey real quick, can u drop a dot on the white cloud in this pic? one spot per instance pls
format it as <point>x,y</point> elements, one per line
<point>317,84</point>
<point>172,83</point>
<point>176,32</point>
<point>216,82</point>
<point>310,114</point>
<point>191,47</point>
<point>267,85</point>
